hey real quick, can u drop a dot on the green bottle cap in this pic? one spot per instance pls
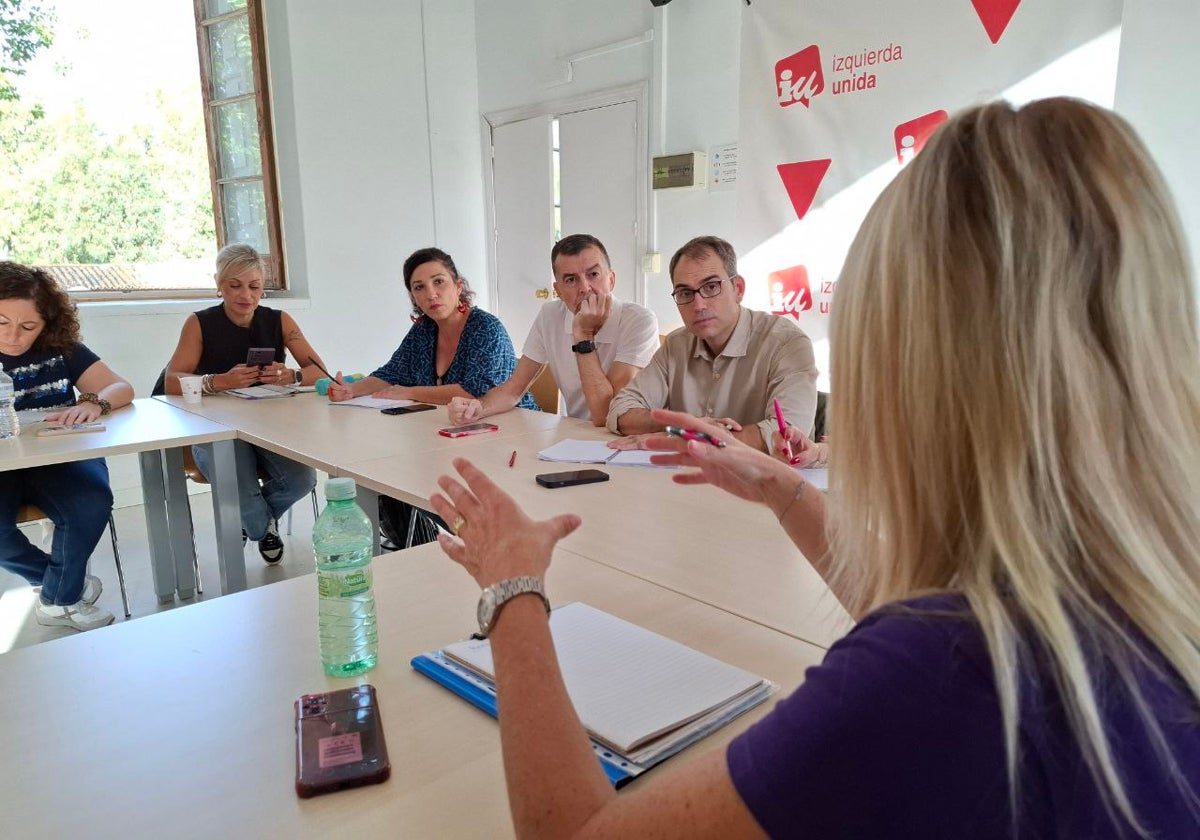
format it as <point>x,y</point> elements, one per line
<point>339,489</point>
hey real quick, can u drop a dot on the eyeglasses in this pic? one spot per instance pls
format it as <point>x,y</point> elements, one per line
<point>707,290</point>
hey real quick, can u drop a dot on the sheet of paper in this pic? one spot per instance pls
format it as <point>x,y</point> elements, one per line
<point>572,451</point>
<point>817,476</point>
<point>374,402</point>
<point>627,683</point>
<point>261,392</point>
<point>636,458</point>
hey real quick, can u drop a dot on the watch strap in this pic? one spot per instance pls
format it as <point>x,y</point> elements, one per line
<point>509,588</point>
<point>586,346</point>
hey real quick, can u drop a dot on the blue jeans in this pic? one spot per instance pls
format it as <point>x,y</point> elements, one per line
<point>284,482</point>
<point>78,500</point>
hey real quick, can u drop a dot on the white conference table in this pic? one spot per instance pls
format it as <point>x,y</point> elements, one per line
<point>180,724</point>
<point>698,541</point>
<point>156,433</point>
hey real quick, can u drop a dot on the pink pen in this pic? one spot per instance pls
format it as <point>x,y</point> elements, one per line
<point>787,447</point>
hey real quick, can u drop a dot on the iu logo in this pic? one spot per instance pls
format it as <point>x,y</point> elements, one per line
<point>912,135</point>
<point>798,78</point>
<point>790,292</point>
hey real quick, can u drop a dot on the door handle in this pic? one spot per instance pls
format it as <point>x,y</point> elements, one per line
<point>542,294</point>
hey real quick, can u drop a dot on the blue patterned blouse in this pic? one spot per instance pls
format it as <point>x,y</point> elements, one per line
<point>484,359</point>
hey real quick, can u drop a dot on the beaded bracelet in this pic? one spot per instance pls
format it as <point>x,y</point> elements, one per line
<point>105,405</point>
<point>207,385</point>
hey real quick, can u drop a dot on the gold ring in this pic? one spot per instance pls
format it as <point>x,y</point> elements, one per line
<point>458,524</point>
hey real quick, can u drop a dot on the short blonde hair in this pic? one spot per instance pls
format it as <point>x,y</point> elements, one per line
<point>1015,404</point>
<point>233,259</point>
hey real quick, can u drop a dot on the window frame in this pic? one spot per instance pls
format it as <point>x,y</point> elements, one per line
<point>276,275</point>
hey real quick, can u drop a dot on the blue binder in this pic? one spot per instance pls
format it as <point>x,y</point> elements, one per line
<point>620,769</point>
<point>481,693</point>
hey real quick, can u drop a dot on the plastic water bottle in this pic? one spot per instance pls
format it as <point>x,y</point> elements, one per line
<point>10,424</point>
<point>346,613</point>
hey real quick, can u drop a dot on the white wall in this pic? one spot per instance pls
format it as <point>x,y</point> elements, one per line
<point>1155,91</point>
<point>691,66</point>
<point>367,173</point>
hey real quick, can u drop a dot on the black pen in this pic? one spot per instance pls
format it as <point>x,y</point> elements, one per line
<point>313,361</point>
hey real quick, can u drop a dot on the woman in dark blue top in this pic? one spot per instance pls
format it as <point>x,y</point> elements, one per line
<point>41,351</point>
<point>452,350</point>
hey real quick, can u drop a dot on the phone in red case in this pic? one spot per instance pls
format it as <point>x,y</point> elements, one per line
<point>465,431</point>
<point>339,741</point>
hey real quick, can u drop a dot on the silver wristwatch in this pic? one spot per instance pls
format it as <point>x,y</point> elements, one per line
<point>492,598</point>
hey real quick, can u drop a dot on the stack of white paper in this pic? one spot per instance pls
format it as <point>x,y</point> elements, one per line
<point>633,689</point>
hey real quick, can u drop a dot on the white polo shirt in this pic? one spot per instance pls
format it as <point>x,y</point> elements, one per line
<point>630,335</point>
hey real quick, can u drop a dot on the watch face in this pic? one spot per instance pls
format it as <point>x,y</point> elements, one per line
<point>486,611</point>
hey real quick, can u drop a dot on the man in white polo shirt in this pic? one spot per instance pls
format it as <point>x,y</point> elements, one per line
<point>594,343</point>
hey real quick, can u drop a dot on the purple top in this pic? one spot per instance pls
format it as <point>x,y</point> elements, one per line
<point>897,733</point>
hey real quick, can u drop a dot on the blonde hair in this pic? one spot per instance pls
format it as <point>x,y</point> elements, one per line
<point>1015,408</point>
<point>233,259</point>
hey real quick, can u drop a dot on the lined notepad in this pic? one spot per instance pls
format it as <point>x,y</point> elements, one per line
<point>631,686</point>
<point>596,452</point>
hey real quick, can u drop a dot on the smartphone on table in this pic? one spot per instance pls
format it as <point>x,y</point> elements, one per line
<point>465,431</point>
<point>570,478</point>
<point>339,741</point>
<point>260,356</point>
<point>407,409</point>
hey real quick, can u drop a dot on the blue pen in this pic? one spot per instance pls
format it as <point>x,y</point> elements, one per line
<point>693,434</point>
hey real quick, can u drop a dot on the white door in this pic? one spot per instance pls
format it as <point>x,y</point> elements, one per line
<point>523,206</point>
<point>598,184</point>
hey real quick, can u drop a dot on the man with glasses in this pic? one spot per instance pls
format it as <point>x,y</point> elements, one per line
<point>728,362</point>
<point>594,343</point>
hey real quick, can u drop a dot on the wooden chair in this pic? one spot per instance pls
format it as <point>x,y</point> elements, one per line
<point>32,513</point>
<point>545,391</point>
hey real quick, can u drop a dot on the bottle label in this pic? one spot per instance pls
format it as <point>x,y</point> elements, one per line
<point>348,584</point>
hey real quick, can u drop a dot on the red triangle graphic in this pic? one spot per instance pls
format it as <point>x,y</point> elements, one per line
<point>801,181</point>
<point>995,15</point>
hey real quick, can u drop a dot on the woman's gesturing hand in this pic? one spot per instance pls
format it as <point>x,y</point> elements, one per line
<point>736,468</point>
<point>496,539</point>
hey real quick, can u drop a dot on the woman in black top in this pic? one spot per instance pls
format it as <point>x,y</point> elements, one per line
<point>214,343</point>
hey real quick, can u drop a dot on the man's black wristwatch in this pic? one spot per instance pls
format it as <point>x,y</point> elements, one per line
<point>583,347</point>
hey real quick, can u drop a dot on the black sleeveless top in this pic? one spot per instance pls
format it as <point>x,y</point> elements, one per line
<point>224,343</point>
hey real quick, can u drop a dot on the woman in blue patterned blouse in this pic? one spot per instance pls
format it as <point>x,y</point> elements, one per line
<point>452,350</point>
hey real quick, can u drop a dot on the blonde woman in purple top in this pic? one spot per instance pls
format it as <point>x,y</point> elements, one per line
<point>1014,519</point>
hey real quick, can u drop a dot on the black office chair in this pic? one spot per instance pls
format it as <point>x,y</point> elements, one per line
<point>819,430</point>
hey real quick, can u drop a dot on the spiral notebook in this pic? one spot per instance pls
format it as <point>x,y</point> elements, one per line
<point>641,696</point>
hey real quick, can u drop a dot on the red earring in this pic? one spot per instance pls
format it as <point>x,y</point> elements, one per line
<point>463,306</point>
<point>416,319</point>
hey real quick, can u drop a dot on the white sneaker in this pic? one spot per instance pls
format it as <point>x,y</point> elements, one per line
<point>92,587</point>
<point>77,616</point>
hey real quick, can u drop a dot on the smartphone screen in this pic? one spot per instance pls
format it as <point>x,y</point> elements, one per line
<point>570,478</point>
<point>464,431</point>
<point>260,356</point>
<point>407,409</point>
<point>339,741</point>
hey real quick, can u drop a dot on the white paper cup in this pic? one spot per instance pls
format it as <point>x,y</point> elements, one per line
<point>192,388</point>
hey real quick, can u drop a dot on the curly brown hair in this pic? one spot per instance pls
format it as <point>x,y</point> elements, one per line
<point>61,332</point>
